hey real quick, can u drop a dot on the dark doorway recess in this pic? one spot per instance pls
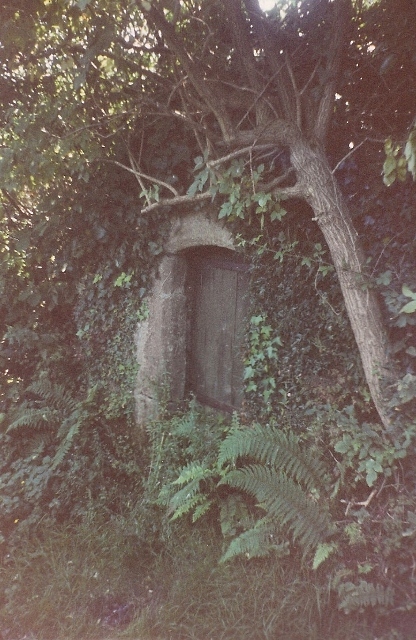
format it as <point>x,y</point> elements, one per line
<point>218,303</point>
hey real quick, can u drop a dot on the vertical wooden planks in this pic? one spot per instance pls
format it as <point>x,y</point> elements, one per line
<point>217,331</point>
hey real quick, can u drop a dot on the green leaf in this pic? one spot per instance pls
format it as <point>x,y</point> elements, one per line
<point>323,551</point>
<point>278,214</point>
<point>226,210</point>
<point>408,293</point>
<point>410,307</point>
<point>263,199</point>
<point>389,170</point>
<point>342,446</point>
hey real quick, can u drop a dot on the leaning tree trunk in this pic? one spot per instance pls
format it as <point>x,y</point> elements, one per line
<point>332,215</point>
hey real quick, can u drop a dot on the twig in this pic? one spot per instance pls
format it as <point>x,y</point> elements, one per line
<point>138,177</point>
<point>309,80</point>
<point>353,150</point>
<point>295,91</point>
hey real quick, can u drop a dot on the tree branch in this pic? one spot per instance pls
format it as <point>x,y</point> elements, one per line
<point>193,71</point>
<point>241,37</point>
<point>295,191</point>
<point>140,174</point>
<point>271,186</point>
<point>269,41</point>
<point>341,10</point>
<point>278,132</point>
<point>172,202</point>
<point>237,153</point>
<point>353,150</point>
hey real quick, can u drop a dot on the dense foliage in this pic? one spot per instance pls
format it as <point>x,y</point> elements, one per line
<point>106,132</point>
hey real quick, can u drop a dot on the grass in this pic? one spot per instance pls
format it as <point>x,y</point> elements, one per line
<point>62,582</point>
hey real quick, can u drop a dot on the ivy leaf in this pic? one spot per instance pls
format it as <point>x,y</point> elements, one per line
<point>389,170</point>
<point>249,372</point>
<point>384,278</point>
<point>410,153</point>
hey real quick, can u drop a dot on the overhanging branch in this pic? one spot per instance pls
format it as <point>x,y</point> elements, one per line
<point>139,174</point>
<point>173,202</point>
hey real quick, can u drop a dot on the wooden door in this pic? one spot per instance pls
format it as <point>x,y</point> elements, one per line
<point>219,285</point>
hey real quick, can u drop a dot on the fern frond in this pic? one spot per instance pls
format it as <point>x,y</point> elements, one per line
<point>192,471</point>
<point>188,497</point>
<point>273,447</point>
<point>201,509</point>
<point>197,501</point>
<point>256,542</point>
<point>365,594</point>
<point>284,501</point>
<point>65,444</point>
<point>322,553</point>
<point>34,418</point>
<point>183,496</point>
<point>54,394</point>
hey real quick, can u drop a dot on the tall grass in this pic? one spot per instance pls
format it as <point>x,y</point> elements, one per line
<point>60,582</point>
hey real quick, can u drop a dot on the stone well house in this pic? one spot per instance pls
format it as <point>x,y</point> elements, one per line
<point>192,338</point>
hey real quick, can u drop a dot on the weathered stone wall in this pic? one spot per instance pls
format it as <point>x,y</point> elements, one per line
<point>161,339</point>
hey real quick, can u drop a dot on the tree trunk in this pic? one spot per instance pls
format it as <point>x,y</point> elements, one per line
<point>332,215</point>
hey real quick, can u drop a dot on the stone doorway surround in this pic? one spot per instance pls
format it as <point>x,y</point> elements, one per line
<point>161,338</point>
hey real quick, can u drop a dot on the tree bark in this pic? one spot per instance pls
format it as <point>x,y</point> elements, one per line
<point>322,192</point>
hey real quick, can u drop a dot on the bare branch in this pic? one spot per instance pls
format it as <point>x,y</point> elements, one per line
<point>278,132</point>
<point>237,153</point>
<point>271,186</point>
<point>172,202</point>
<point>242,41</point>
<point>295,191</point>
<point>146,177</point>
<point>295,91</point>
<point>138,176</point>
<point>192,70</point>
<point>340,15</point>
<point>354,149</point>
<point>269,40</point>
<point>309,80</point>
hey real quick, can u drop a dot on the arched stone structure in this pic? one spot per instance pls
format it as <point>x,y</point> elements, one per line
<point>161,339</point>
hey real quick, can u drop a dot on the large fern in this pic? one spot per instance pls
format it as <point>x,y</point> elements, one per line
<point>37,418</point>
<point>284,500</point>
<point>189,497</point>
<point>272,447</point>
<point>257,542</point>
<point>54,411</point>
<point>355,597</point>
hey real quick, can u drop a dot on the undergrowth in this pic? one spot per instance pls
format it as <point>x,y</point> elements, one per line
<point>139,572</point>
<point>64,583</point>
